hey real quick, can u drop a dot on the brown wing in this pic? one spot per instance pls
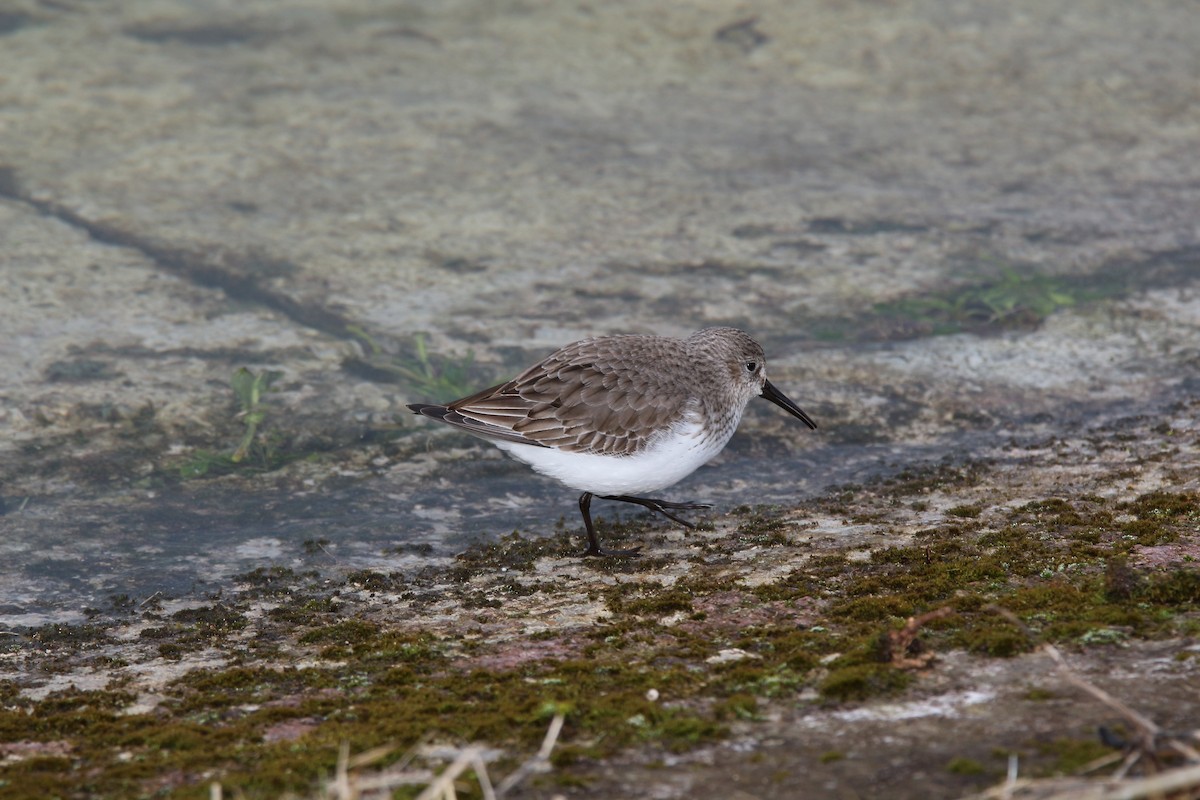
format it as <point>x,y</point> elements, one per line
<point>450,417</point>
<point>607,396</point>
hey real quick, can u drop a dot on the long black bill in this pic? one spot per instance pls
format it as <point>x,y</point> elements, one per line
<point>780,399</point>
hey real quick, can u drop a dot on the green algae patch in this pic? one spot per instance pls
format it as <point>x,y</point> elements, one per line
<point>1016,299</point>
<point>1007,297</point>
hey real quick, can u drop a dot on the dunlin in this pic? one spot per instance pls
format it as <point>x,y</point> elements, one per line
<point>619,416</point>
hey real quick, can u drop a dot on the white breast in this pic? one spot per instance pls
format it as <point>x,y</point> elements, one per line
<point>669,459</point>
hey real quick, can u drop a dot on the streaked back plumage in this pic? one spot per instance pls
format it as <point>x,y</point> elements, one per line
<point>614,395</point>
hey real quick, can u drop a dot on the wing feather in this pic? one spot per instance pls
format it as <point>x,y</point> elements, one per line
<point>610,396</point>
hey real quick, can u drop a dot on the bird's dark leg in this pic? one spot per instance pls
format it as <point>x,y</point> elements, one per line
<point>660,506</point>
<point>594,549</point>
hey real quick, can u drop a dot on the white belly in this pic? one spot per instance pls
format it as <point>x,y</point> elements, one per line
<point>667,461</point>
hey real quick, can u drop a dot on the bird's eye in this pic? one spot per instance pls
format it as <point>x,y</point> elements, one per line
<point>751,366</point>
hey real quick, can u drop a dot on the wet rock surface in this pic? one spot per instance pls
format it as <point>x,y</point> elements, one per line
<point>238,240</point>
<point>742,657</point>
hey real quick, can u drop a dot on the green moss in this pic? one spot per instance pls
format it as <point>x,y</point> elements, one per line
<point>784,645</point>
<point>800,583</point>
<point>1164,505</point>
<point>172,651</point>
<point>72,699</point>
<point>1068,755</point>
<point>742,705</point>
<point>1161,516</point>
<point>218,618</point>
<point>195,628</point>
<point>348,631</point>
<point>878,608</point>
<point>516,553</point>
<point>1150,532</point>
<point>1000,640</point>
<point>372,581</point>
<point>39,776</point>
<point>1056,511</point>
<point>272,581</point>
<point>307,613</point>
<point>969,511</point>
<point>56,634</point>
<point>861,681</point>
<point>762,525</point>
<point>960,765</point>
<point>1102,636</point>
<point>1179,589</point>
<point>925,479</point>
<point>652,601</point>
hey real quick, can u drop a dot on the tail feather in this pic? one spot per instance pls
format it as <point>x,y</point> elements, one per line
<point>429,410</point>
<point>472,426</point>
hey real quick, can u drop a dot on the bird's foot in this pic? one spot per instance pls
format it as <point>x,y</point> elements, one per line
<point>659,505</point>
<point>632,552</point>
<point>662,506</point>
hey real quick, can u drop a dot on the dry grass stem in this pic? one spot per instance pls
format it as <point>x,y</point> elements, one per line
<point>349,782</point>
<point>540,762</point>
<point>1145,749</point>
